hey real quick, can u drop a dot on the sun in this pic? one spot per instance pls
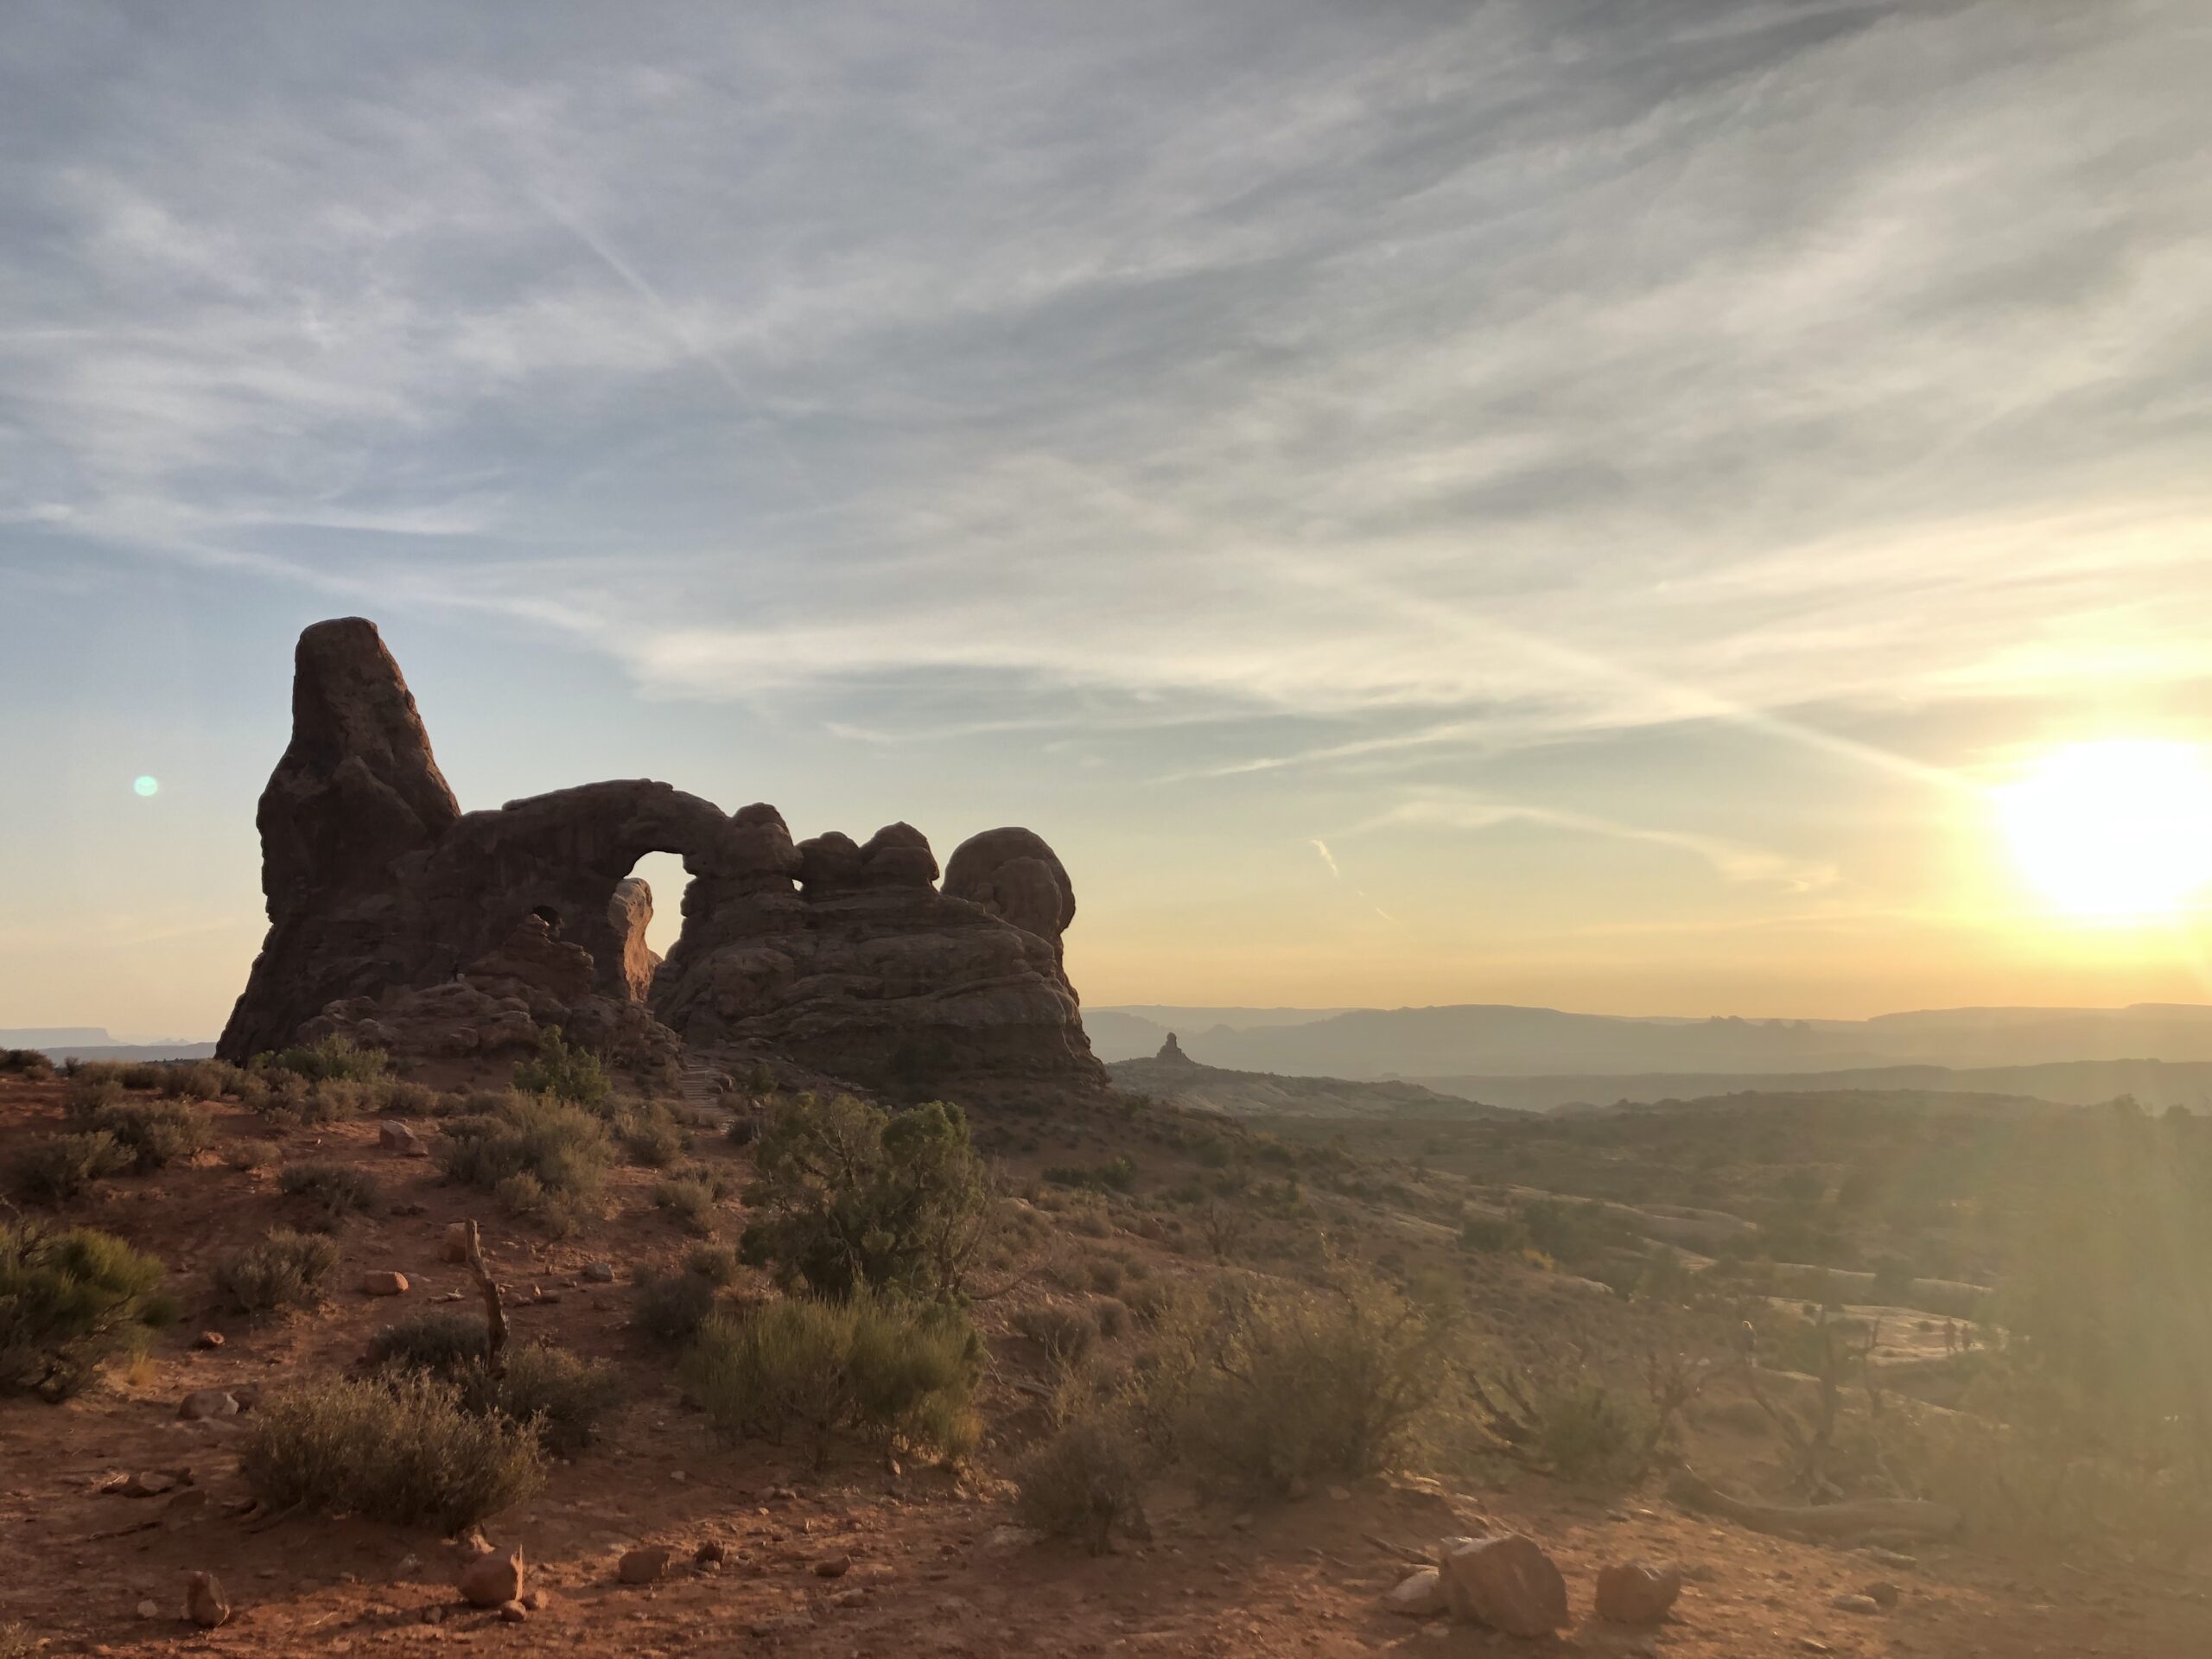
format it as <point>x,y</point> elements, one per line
<point>2120,829</point>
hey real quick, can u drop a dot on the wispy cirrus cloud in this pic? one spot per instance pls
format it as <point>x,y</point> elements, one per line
<point>1300,411</point>
<point>1734,861</point>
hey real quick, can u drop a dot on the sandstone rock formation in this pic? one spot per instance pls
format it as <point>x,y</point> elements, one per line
<point>401,922</point>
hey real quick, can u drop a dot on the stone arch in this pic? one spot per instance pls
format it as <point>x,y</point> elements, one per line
<point>568,856</point>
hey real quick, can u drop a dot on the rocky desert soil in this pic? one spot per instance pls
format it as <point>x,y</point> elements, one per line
<point>769,1555</point>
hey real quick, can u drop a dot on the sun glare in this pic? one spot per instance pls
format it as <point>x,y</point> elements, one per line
<point>2121,828</point>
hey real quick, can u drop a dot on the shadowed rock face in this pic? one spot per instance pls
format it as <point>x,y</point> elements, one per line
<point>397,919</point>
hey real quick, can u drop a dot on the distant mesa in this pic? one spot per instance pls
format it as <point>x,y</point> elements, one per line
<point>1174,1076</point>
<point>399,920</point>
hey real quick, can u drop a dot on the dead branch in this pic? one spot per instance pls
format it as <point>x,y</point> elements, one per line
<point>1845,1520</point>
<point>495,1314</point>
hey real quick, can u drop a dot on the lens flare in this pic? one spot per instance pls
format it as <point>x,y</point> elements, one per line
<point>147,786</point>
<point>2116,830</point>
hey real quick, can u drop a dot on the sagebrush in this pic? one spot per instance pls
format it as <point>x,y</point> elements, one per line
<point>864,1366</point>
<point>403,1448</point>
<point>285,1271</point>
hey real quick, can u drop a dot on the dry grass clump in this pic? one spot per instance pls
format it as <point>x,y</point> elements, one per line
<point>332,1192</point>
<point>1088,1480</point>
<point>882,1370</point>
<point>1300,1386</point>
<point>286,1270</point>
<point>403,1448</point>
<point>544,1158</point>
<point>71,1300</point>
<point>1263,1391</point>
<point>61,1168</point>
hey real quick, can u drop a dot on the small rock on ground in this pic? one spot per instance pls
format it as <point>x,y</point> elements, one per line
<point>492,1579</point>
<point>1419,1595</point>
<point>204,1604</point>
<point>1636,1592</point>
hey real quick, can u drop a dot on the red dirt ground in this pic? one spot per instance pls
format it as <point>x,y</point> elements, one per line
<point>926,1574</point>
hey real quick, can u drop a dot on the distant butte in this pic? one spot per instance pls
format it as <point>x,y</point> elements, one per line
<point>399,920</point>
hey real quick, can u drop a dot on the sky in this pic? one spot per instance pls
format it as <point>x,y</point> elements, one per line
<point>1565,502</point>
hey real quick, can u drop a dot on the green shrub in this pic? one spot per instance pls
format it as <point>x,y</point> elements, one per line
<point>1493,1235</point>
<point>544,1158</point>
<point>1087,1480</point>
<point>124,1074</point>
<point>88,1092</point>
<point>884,1370</point>
<point>334,1192</point>
<point>858,1197</point>
<point>439,1341</point>
<point>155,1133</point>
<point>692,1200</point>
<point>62,1166</point>
<point>651,1137</point>
<point>564,1072</point>
<point>717,1263</point>
<point>670,1308</point>
<point>287,1270</point>
<point>332,1059</point>
<point>336,1100</point>
<point>1116,1175</point>
<point>403,1449</point>
<point>71,1300</point>
<point>1065,1333</point>
<point>1302,1386</point>
<point>1593,1435</point>
<point>26,1063</point>
<point>199,1080</point>
<point>558,1396</point>
<point>277,1096</point>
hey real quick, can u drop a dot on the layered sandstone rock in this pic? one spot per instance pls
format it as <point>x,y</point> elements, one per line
<point>399,921</point>
<point>867,970</point>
